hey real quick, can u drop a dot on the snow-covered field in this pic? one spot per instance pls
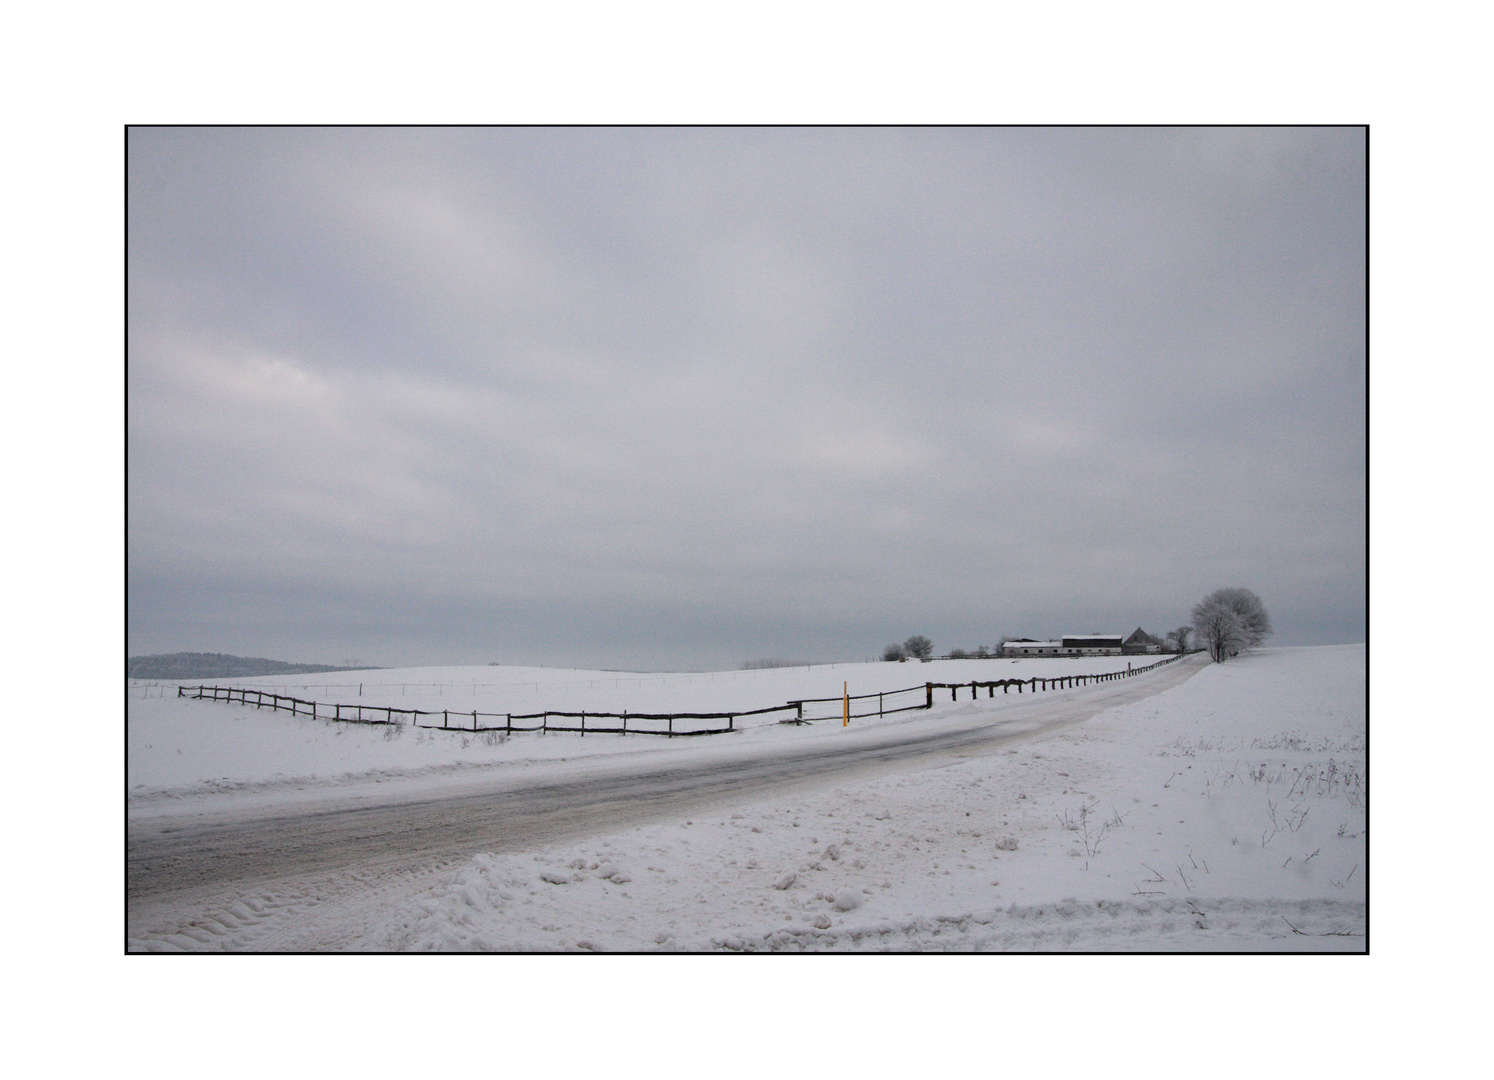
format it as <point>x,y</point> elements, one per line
<point>178,747</point>
<point>1226,813</point>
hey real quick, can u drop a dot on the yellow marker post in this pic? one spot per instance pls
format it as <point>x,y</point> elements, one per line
<point>845,716</point>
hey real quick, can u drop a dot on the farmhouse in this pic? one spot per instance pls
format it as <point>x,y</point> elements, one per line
<point>1068,645</point>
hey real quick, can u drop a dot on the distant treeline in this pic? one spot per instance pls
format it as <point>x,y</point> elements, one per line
<point>199,665</point>
<point>769,662</point>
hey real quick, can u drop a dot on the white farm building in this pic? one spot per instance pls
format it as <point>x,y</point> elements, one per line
<point>1068,645</point>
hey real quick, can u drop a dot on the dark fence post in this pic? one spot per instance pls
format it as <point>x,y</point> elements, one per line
<point>929,689</point>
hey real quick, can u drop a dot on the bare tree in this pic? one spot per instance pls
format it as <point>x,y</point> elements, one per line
<point>919,646</point>
<point>1230,620</point>
<point>1180,635</point>
<point>894,652</point>
<point>1219,630</point>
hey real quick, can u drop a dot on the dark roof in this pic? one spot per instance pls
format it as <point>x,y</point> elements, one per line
<point>1141,637</point>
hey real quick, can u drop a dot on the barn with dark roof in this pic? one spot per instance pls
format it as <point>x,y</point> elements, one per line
<point>1140,643</point>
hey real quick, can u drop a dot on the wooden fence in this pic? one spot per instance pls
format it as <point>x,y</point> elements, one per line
<point>476,721</point>
<point>1061,682</point>
<point>667,724</point>
<point>839,700</point>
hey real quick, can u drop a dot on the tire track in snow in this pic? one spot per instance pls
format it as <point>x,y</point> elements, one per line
<point>1196,925</point>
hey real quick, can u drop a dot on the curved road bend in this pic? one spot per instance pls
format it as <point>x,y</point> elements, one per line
<point>207,855</point>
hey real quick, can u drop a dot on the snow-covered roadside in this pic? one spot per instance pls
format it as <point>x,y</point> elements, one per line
<point>1225,814</point>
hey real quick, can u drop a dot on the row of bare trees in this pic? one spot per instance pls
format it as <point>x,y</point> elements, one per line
<point>916,647</point>
<point>1226,622</point>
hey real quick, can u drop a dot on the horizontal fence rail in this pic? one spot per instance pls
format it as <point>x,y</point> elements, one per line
<point>882,697</point>
<point>666,724</point>
<point>473,720</point>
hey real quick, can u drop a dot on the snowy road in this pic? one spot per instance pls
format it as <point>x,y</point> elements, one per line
<point>182,868</point>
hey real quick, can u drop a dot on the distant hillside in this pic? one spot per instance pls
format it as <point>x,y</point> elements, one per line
<point>200,665</point>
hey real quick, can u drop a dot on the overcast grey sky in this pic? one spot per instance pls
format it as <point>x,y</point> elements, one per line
<point>682,397</point>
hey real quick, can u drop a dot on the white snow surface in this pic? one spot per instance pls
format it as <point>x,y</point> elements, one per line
<point>179,747</point>
<point>1225,814</point>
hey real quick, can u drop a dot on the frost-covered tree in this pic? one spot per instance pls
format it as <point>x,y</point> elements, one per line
<point>1254,621</point>
<point>893,652</point>
<point>1229,621</point>
<point>919,647</point>
<point>1219,630</point>
<point>1180,638</point>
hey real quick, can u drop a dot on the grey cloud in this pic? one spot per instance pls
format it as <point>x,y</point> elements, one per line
<point>689,396</point>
